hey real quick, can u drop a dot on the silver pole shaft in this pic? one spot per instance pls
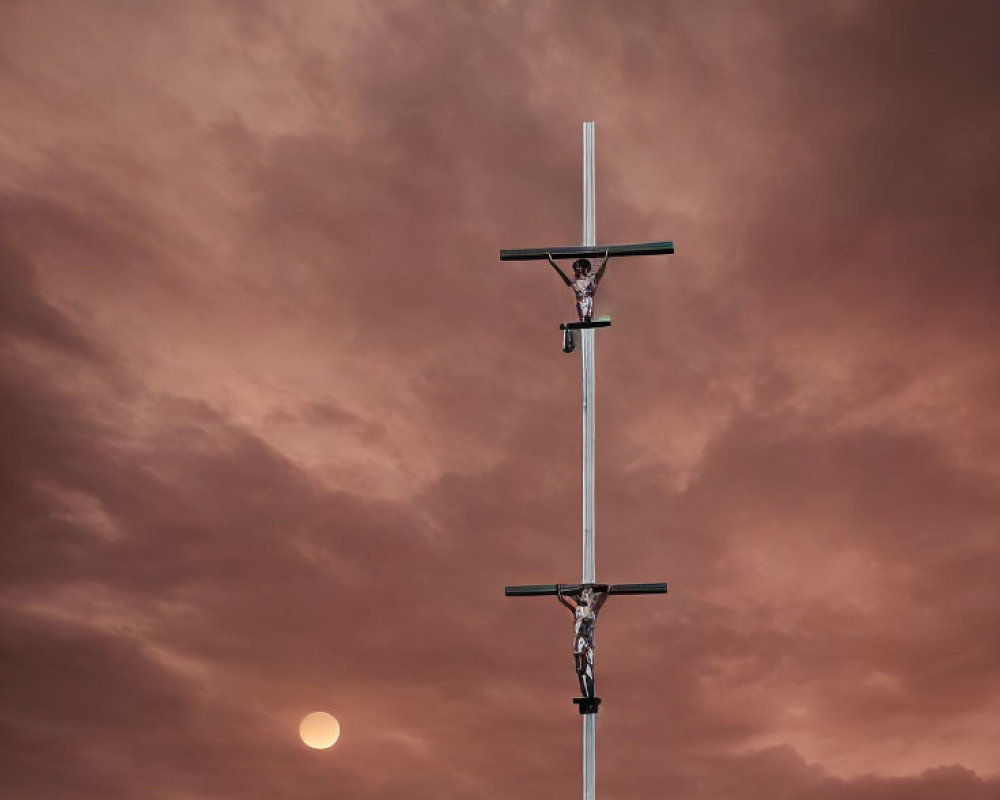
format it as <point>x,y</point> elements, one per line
<point>589,760</point>
<point>587,359</point>
<point>589,204</point>
<point>587,355</point>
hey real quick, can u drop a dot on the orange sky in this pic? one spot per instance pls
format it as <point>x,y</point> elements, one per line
<point>278,426</point>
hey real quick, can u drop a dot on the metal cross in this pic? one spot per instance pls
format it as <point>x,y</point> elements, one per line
<point>586,598</point>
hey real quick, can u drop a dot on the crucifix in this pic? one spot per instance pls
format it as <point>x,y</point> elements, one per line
<point>585,599</point>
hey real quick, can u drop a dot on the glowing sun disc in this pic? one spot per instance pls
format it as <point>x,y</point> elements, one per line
<point>319,730</point>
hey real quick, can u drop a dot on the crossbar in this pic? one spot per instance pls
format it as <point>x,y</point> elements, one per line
<point>614,588</point>
<point>590,251</point>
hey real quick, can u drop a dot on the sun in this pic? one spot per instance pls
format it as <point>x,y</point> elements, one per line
<point>319,730</point>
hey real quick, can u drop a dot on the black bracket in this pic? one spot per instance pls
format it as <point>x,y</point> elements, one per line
<point>587,705</point>
<point>579,326</point>
<point>569,330</point>
<point>569,340</point>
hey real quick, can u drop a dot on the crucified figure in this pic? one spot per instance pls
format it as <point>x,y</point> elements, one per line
<point>585,605</point>
<point>584,283</point>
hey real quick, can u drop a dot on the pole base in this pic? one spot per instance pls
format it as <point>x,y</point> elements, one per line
<point>587,705</point>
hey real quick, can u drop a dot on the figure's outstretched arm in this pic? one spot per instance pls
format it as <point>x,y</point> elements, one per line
<point>599,598</point>
<point>600,271</point>
<point>562,274</point>
<point>563,600</point>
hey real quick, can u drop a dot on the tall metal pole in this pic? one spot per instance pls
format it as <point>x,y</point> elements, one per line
<point>587,360</point>
<point>588,704</point>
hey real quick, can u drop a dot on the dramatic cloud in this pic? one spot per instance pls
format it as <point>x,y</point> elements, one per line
<point>278,426</point>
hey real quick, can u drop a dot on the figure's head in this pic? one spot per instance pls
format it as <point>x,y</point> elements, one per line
<point>581,267</point>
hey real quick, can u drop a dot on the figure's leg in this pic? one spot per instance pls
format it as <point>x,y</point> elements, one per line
<point>589,672</point>
<point>581,674</point>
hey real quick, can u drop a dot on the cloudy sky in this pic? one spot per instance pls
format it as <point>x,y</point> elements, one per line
<point>277,426</point>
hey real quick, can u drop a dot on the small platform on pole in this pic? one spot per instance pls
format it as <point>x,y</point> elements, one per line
<point>579,326</point>
<point>587,705</point>
<point>569,331</point>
